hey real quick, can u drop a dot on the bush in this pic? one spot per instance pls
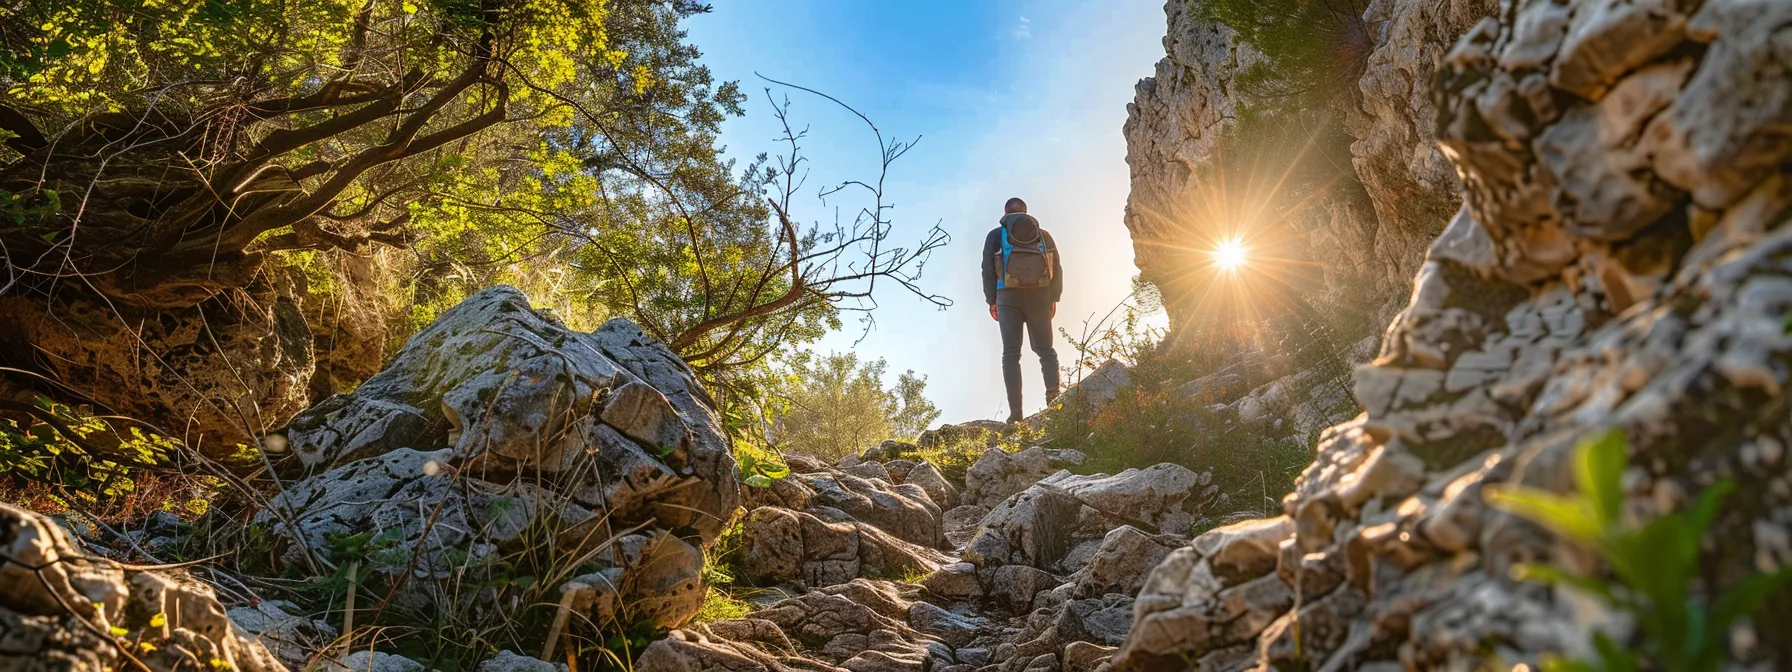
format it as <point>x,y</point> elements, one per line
<point>1153,420</point>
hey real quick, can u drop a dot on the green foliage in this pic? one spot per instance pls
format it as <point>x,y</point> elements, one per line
<point>1153,419</point>
<point>720,605</point>
<point>506,602</point>
<point>1654,565</point>
<point>839,406</point>
<point>721,566</point>
<point>758,468</point>
<point>77,454</point>
<point>107,54</point>
<point>1310,48</point>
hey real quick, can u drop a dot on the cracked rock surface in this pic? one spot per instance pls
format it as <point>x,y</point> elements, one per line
<point>64,609</point>
<point>1046,580</point>
<point>1622,259</point>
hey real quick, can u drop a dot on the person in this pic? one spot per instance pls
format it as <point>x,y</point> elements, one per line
<point>1023,278</point>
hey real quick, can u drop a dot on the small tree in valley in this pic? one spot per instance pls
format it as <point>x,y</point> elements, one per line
<point>840,406</point>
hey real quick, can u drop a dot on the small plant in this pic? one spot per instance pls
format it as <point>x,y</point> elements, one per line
<point>720,605</point>
<point>914,575</point>
<point>1654,564</point>
<point>758,469</point>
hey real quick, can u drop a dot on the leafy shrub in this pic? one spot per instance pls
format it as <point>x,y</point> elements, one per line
<point>1654,566</point>
<point>76,455</point>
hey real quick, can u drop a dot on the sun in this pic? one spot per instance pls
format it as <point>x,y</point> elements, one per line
<point>1229,255</point>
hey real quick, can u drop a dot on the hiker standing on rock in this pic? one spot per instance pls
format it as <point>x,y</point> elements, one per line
<point>1022,280</point>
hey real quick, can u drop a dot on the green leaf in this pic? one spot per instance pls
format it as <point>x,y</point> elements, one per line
<point>1550,574</point>
<point>1615,658</point>
<point>1556,664</point>
<point>1572,517</point>
<point>774,470</point>
<point>1747,596</point>
<point>758,481</point>
<point>1599,474</point>
<point>50,236</point>
<point>1704,510</point>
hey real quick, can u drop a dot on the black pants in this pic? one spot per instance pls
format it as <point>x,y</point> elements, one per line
<point>1033,310</point>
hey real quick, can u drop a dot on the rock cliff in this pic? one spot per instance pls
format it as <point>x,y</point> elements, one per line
<point>1620,261</point>
<point>1366,227</point>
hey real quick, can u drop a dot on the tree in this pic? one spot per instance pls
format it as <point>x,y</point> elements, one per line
<point>839,406</point>
<point>165,165</point>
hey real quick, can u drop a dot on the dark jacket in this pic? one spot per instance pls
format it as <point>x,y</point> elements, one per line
<point>992,251</point>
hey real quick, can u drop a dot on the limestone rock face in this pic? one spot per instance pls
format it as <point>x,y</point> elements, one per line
<point>1174,124</point>
<point>1100,387</point>
<point>63,610</point>
<point>223,371</point>
<point>291,638</point>
<point>496,421</point>
<point>905,511</point>
<point>1620,261</point>
<point>1367,235</point>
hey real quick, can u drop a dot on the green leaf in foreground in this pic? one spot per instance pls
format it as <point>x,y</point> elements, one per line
<point>1654,566</point>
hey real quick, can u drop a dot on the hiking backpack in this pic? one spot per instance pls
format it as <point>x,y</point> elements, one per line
<point>1026,259</point>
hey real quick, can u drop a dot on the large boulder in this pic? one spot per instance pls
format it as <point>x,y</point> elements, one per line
<point>62,609</point>
<point>497,430</point>
<point>1100,387</point>
<point>509,389</point>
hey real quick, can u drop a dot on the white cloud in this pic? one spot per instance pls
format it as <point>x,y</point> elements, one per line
<point>1023,30</point>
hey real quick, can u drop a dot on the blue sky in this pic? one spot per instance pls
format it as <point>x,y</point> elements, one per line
<point>1009,97</point>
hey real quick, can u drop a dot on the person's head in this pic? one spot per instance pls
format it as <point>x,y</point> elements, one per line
<point>1014,205</point>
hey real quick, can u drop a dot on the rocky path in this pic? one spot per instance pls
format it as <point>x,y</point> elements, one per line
<point>1021,566</point>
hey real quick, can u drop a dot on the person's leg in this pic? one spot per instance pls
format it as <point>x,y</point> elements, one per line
<point>1039,334</point>
<point>1011,319</point>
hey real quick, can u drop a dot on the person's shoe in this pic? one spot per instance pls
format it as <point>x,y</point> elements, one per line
<point>1014,419</point>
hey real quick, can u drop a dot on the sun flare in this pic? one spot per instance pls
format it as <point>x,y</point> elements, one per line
<point>1229,255</point>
